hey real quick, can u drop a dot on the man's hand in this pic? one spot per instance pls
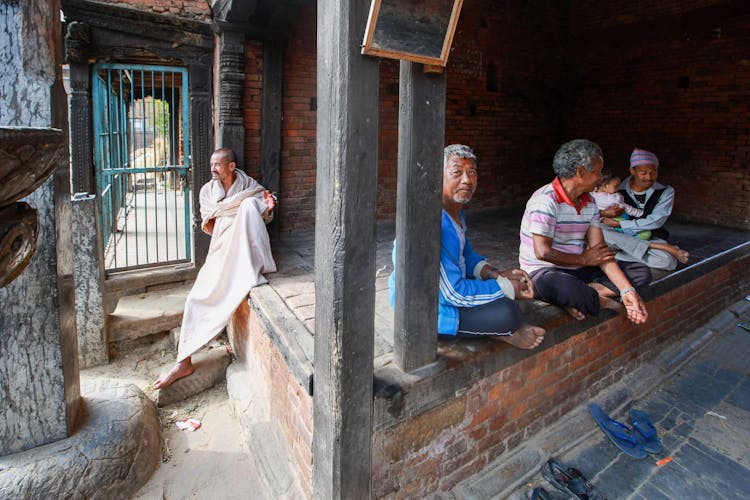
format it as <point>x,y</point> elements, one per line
<point>612,211</point>
<point>634,307</point>
<point>269,200</point>
<point>209,229</point>
<point>521,282</point>
<point>610,222</point>
<point>597,254</point>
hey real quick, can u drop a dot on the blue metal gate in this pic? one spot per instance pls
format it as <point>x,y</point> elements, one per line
<point>142,160</point>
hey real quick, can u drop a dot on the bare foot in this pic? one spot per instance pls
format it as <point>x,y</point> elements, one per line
<point>673,250</point>
<point>575,313</point>
<point>681,255</point>
<point>178,371</point>
<point>526,337</point>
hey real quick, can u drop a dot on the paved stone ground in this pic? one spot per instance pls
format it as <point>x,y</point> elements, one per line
<point>702,415</point>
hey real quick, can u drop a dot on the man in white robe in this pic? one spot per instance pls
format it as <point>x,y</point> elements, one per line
<point>234,211</point>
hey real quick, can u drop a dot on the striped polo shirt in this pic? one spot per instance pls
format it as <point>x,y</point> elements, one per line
<point>550,212</point>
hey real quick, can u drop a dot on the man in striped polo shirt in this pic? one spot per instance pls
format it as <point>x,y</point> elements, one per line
<point>562,246</point>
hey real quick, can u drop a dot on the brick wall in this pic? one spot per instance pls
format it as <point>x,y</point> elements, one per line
<point>678,86</point>
<point>673,78</point>
<point>291,408</point>
<point>437,449</point>
<point>501,100</point>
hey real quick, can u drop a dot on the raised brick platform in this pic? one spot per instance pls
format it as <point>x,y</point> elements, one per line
<point>438,425</point>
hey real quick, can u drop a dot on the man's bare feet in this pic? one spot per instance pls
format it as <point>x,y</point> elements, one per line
<point>681,255</point>
<point>575,313</point>
<point>178,371</point>
<point>673,250</point>
<point>526,337</point>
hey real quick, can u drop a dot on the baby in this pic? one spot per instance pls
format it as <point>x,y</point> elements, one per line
<point>606,195</point>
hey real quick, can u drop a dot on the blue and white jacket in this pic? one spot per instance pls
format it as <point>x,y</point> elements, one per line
<point>456,289</point>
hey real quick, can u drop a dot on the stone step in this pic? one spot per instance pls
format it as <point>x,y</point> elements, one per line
<point>210,369</point>
<point>147,313</point>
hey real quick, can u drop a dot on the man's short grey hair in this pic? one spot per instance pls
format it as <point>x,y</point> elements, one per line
<point>574,154</point>
<point>459,151</point>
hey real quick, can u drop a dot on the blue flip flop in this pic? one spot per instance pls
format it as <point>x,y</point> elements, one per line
<point>620,434</point>
<point>645,431</point>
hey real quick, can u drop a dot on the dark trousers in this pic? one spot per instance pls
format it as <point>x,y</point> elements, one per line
<point>569,288</point>
<point>497,318</point>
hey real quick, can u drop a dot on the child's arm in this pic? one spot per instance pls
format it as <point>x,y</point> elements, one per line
<point>632,211</point>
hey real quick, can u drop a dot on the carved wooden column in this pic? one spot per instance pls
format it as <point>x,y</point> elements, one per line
<point>347,145</point>
<point>201,146</point>
<point>81,147</point>
<point>230,130</point>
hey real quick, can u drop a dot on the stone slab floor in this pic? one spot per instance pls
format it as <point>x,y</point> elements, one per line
<point>703,417</point>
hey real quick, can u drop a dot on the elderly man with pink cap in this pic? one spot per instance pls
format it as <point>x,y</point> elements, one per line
<point>641,190</point>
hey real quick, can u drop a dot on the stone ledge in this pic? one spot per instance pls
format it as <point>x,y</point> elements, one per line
<point>400,395</point>
<point>111,455</point>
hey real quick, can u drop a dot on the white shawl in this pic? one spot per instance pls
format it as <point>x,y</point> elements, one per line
<point>239,253</point>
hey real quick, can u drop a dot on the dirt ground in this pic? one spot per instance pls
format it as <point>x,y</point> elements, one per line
<point>211,462</point>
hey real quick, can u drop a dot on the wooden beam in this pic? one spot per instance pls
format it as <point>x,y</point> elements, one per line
<point>421,136</point>
<point>347,135</point>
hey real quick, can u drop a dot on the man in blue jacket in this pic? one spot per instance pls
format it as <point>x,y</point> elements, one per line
<point>475,299</point>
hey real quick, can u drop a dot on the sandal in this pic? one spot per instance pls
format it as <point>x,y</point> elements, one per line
<point>645,431</point>
<point>620,434</point>
<point>540,493</point>
<point>569,480</point>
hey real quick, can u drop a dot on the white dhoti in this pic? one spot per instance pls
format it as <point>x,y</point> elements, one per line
<point>239,253</point>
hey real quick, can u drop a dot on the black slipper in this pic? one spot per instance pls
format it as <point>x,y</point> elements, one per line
<point>540,493</point>
<point>569,480</point>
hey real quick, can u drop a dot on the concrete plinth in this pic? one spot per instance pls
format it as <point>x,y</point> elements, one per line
<point>111,455</point>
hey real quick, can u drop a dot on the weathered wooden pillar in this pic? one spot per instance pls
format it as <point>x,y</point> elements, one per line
<point>347,135</point>
<point>201,146</point>
<point>270,133</point>
<point>230,130</point>
<point>421,134</point>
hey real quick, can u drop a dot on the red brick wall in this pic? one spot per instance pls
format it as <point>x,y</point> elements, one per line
<point>252,99</point>
<point>291,406</point>
<point>446,444</point>
<point>673,78</point>
<point>501,100</point>
<point>678,86</point>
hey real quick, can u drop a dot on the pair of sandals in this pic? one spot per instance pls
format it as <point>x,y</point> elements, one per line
<point>637,441</point>
<point>566,479</point>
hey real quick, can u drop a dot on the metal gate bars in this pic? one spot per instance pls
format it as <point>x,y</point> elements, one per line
<point>142,160</point>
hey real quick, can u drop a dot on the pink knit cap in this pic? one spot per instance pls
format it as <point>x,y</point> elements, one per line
<point>642,157</point>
